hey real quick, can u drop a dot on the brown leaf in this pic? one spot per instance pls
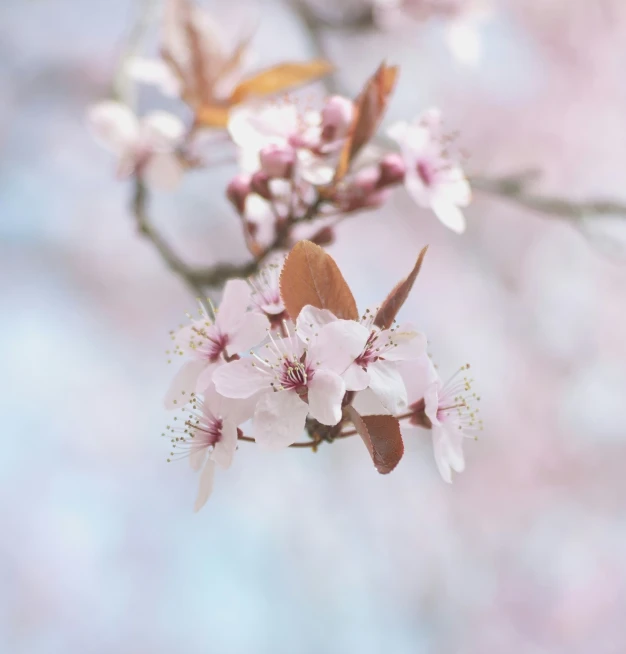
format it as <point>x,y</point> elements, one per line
<point>394,301</point>
<point>310,276</point>
<point>382,437</point>
<point>280,78</point>
<point>212,115</point>
<point>369,108</point>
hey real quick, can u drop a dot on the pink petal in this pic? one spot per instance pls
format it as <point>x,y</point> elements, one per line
<point>311,320</point>
<point>279,419</point>
<point>250,333</point>
<point>163,171</point>
<point>439,450</point>
<point>236,411</point>
<point>232,309</point>
<point>197,457</point>
<point>326,391</point>
<point>386,381</point>
<point>338,344</point>
<point>206,485</point>
<point>355,378</point>
<point>184,384</point>
<point>367,404</point>
<point>224,450</point>
<point>418,375</point>
<point>409,344</point>
<point>241,379</point>
<point>206,376</point>
<point>113,125</point>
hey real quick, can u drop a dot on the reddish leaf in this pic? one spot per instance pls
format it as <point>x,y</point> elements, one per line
<point>310,276</point>
<point>280,78</point>
<point>394,301</point>
<point>369,108</point>
<point>382,437</point>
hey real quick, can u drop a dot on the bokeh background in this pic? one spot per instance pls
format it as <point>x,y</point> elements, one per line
<point>100,551</point>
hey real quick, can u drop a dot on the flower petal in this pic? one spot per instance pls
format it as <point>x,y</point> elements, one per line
<point>236,411</point>
<point>408,344</point>
<point>326,391</point>
<point>224,450</point>
<point>206,485</point>
<point>184,384</point>
<point>311,320</point>
<point>338,344</point>
<point>439,450</point>
<point>241,379</point>
<point>163,171</point>
<point>162,130</point>
<point>279,419</point>
<point>197,457</point>
<point>367,403</point>
<point>386,381</point>
<point>355,378</point>
<point>449,214</point>
<point>250,333</point>
<point>154,72</point>
<point>205,378</point>
<point>233,307</point>
<point>113,125</point>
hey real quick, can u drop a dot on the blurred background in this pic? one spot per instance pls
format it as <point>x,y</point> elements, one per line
<point>525,553</point>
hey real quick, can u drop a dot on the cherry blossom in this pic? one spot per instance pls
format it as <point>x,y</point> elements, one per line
<point>295,378</point>
<point>375,367</point>
<point>208,436</point>
<point>266,292</point>
<point>447,408</point>
<point>210,342</point>
<point>274,136</point>
<point>145,147</point>
<point>433,177</point>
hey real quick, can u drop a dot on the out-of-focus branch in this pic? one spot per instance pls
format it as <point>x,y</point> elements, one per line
<point>513,188</point>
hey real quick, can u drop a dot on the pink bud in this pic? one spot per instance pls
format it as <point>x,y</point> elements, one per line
<point>277,161</point>
<point>324,236</point>
<point>336,118</point>
<point>237,191</point>
<point>392,170</point>
<point>260,184</point>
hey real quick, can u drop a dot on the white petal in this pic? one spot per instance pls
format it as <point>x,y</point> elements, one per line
<point>398,131</point>
<point>367,404</point>
<point>241,379</point>
<point>463,39</point>
<point>409,344</point>
<point>457,189</point>
<point>386,381</point>
<point>415,187</point>
<point>184,384</point>
<point>205,378</point>
<point>237,411</point>
<point>250,333</point>
<point>233,307</point>
<point>449,214</point>
<point>454,447</point>
<point>355,378</point>
<point>224,450</point>
<point>114,125</point>
<point>155,72</point>
<point>206,484</point>
<point>418,375</point>
<point>326,391</point>
<point>197,457</point>
<point>162,130</point>
<point>279,419</point>
<point>163,171</point>
<point>338,344</point>
<point>311,320</point>
<point>439,450</point>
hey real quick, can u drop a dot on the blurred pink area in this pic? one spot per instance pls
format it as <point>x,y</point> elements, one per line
<point>525,552</point>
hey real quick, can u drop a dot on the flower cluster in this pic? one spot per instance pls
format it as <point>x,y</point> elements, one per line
<point>290,352</point>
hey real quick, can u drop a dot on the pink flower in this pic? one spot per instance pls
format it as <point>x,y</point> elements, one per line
<point>209,436</point>
<point>209,343</point>
<point>375,367</point>
<point>145,148</point>
<point>433,178</point>
<point>313,138</point>
<point>446,408</point>
<point>294,378</point>
<point>266,292</point>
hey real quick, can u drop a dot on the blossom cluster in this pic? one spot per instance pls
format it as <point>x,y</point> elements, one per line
<point>291,360</point>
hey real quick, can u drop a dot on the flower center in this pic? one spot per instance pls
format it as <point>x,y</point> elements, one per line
<point>211,344</point>
<point>295,375</point>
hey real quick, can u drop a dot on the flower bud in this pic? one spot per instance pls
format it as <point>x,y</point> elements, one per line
<point>392,170</point>
<point>260,184</point>
<point>237,191</point>
<point>336,118</point>
<point>277,161</point>
<point>324,236</point>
